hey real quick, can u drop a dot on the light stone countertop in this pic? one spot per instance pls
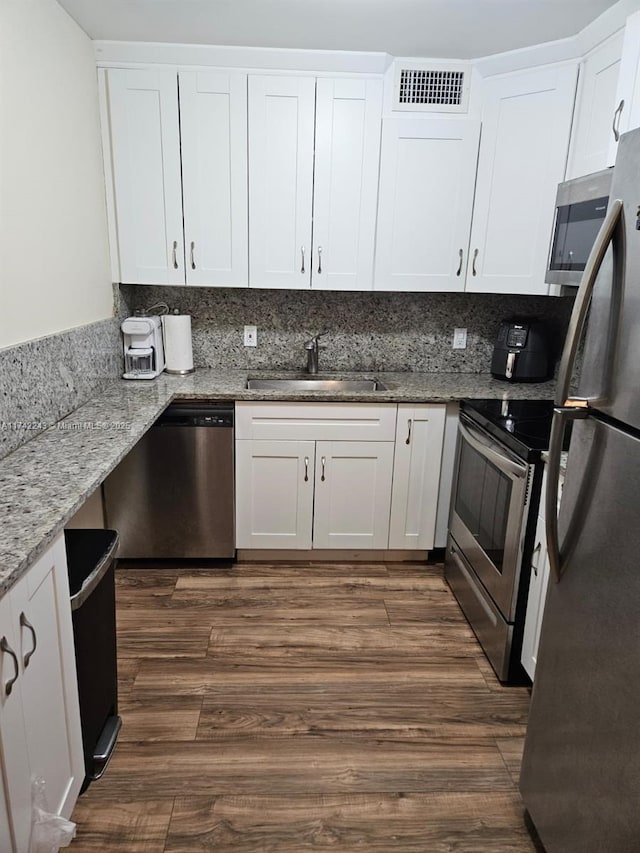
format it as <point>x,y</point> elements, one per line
<point>45,481</point>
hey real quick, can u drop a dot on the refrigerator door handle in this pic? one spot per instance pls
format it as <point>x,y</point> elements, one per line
<point>561,414</point>
<point>570,408</point>
<point>611,232</point>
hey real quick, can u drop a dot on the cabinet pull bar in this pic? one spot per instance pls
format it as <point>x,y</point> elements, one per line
<point>302,254</point>
<point>5,647</point>
<point>616,120</point>
<point>174,254</point>
<point>24,622</point>
<point>323,462</point>
<point>193,259</point>
<point>473,265</point>
<point>408,439</point>
<point>306,469</point>
<point>319,260</point>
<point>461,256</point>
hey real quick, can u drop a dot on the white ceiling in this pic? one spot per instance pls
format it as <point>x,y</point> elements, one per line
<point>448,28</point>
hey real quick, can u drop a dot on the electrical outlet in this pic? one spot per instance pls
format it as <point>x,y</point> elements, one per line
<point>251,336</point>
<point>459,338</point>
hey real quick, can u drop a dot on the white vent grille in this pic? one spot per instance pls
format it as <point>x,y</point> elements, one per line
<point>431,88</point>
<point>443,88</point>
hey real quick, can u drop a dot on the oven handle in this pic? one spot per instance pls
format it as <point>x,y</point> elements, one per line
<point>503,462</point>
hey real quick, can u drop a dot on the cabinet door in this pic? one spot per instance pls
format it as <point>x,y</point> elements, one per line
<point>281,119</point>
<point>627,100</point>
<point>42,609</point>
<point>353,494</point>
<point>13,742</point>
<point>347,153</point>
<point>145,153</point>
<point>6,841</point>
<point>526,120</point>
<point>535,601</point>
<point>427,176</point>
<point>592,132</point>
<point>274,494</point>
<point>213,131</point>
<point>416,476</point>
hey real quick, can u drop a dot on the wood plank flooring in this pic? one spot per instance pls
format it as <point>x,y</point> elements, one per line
<point>309,707</point>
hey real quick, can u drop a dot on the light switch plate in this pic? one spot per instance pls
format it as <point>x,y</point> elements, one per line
<point>459,338</point>
<point>251,336</point>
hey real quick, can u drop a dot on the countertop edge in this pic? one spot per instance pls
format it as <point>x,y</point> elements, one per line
<point>113,404</point>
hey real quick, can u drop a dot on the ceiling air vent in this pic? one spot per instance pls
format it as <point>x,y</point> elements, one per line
<point>431,88</point>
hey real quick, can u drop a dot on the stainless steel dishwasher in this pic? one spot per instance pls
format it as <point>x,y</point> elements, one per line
<point>172,496</point>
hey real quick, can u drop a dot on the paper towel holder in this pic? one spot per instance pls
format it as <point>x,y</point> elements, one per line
<point>177,345</point>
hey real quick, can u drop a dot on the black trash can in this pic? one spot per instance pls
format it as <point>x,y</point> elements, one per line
<point>90,561</point>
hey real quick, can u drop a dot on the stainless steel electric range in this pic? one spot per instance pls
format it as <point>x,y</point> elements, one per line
<point>492,521</point>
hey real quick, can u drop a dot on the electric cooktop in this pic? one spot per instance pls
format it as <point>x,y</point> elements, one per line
<point>524,426</point>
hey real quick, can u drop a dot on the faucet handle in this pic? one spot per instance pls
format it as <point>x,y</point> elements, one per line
<point>313,342</point>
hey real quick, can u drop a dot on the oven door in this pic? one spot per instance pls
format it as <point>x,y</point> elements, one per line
<point>488,512</point>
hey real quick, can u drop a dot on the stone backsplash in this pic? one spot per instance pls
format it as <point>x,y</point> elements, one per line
<point>362,331</point>
<point>43,380</point>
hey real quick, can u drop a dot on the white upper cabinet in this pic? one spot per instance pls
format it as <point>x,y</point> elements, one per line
<point>427,178</point>
<point>526,122</point>
<point>313,227</point>
<point>213,129</point>
<point>591,148</point>
<point>281,119</point>
<point>145,158</point>
<point>345,183</point>
<point>151,179</point>
<point>627,101</point>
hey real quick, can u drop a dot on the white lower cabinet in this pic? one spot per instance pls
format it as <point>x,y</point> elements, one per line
<point>352,494</point>
<point>416,476</point>
<point>314,475</point>
<point>40,734</point>
<point>332,475</point>
<point>538,585</point>
<point>274,494</point>
<point>535,601</point>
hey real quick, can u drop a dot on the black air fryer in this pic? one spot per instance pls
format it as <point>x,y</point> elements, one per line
<point>521,352</point>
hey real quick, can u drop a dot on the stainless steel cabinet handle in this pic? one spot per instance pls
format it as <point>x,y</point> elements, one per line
<point>302,254</point>
<point>193,259</point>
<point>616,120</point>
<point>323,463</point>
<point>174,254</point>
<point>306,469</point>
<point>536,550</point>
<point>319,259</point>
<point>474,271</point>
<point>24,622</point>
<point>566,408</point>
<point>5,647</point>
<point>408,439</point>
<point>461,256</point>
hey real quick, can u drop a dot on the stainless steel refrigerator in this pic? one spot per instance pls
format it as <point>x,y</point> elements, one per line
<point>580,777</point>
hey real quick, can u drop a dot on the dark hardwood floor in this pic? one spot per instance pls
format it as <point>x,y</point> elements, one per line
<point>291,708</point>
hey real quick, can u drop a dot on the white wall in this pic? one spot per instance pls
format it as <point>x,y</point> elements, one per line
<point>54,263</point>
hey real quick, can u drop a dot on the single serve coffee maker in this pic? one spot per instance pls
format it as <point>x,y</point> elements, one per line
<point>143,347</point>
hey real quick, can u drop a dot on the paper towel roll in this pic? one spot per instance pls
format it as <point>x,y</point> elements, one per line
<point>178,351</point>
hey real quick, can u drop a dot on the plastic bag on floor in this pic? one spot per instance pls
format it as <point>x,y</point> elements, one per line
<point>49,831</point>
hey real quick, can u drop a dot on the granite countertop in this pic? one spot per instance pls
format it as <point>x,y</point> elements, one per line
<point>45,481</point>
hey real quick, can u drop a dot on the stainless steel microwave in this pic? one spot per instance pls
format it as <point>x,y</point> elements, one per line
<point>581,206</point>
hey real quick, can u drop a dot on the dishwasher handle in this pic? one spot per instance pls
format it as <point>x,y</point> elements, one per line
<point>196,415</point>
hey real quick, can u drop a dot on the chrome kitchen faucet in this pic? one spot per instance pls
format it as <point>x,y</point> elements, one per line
<point>312,353</point>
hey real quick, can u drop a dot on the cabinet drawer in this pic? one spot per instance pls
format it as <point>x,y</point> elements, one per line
<point>316,421</point>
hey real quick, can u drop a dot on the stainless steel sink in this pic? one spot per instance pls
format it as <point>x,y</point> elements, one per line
<point>314,383</point>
